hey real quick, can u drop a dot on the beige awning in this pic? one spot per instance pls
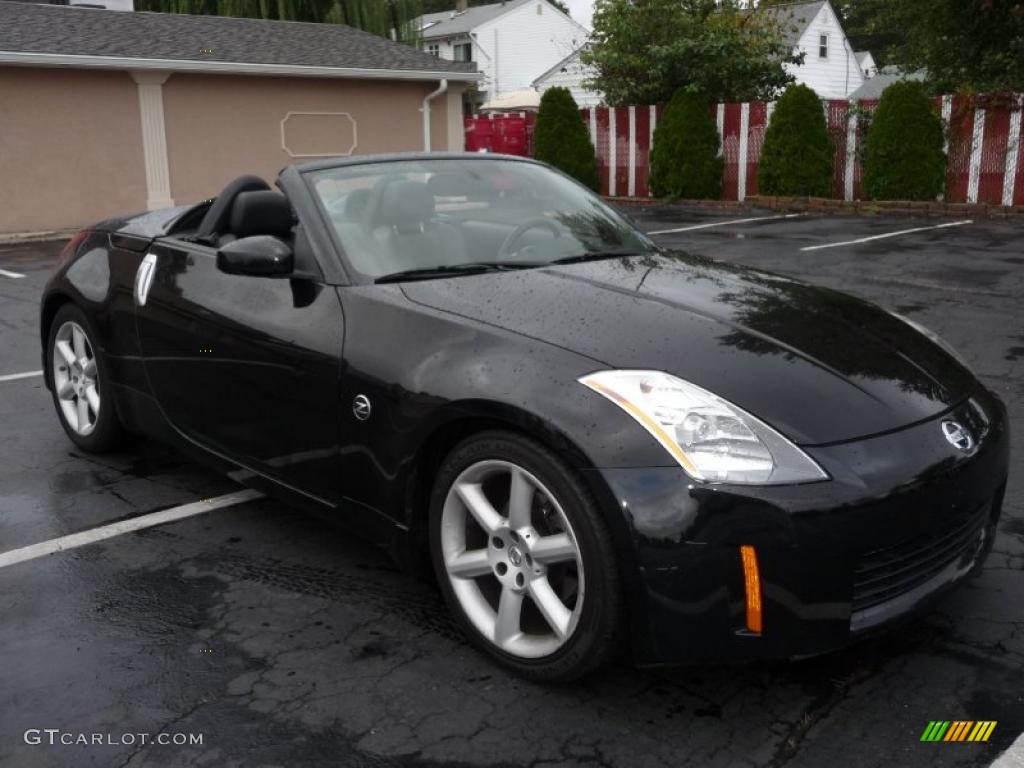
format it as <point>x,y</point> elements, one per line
<point>525,98</point>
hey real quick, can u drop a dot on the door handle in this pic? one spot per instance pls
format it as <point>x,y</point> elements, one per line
<point>144,278</point>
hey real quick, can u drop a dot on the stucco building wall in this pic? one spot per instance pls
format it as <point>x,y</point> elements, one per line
<point>72,150</point>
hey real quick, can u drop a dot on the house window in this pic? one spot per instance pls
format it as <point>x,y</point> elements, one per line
<point>822,46</point>
<point>463,51</point>
<point>434,49</point>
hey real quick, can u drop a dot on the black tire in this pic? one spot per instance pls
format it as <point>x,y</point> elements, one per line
<point>108,434</point>
<point>597,636</point>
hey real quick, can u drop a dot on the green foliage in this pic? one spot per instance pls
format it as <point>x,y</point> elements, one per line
<point>436,6</point>
<point>870,26</point>
<point>964,45</point>
<point>643,52</point>
<point>377,16</point>
<point>684,159</point>
<point>380,17</point>
<point>797,154</point>
<point>561,137</point>
<point>904,157</point>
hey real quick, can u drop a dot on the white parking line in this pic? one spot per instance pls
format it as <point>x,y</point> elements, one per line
<point>1012,757</point>
<point>887,234</point>
<point>64,543</point>
<point>16,376</point>
<point>6,273</point>
<point>724,223</point>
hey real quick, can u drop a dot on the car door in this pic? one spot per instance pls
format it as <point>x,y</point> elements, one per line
<point>246,366</point>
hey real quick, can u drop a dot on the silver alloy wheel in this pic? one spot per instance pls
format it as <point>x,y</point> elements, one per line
<point>75,378</point>
<point>512,558</point>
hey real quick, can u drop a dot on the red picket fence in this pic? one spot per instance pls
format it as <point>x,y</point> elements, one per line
<point>509,134</point>
<point>985,162</point>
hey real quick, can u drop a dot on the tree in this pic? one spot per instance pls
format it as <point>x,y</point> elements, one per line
<point>381,17</point>
<point>797,154</point>
<point>684,159</point>
<point>963,45</point>
<point>643,52</point>
<point>973,45</point>
<point>871,25</point>
<point>561,137</point>
<point>377,16</point>
<point>436,6</point>
<point>904,157</point>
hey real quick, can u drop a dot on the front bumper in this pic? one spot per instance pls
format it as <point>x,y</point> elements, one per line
<point>905,516</point>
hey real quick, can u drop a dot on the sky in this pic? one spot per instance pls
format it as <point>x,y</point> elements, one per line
<point>581,11</point>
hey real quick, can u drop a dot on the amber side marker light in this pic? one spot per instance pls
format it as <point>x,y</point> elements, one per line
<point>752,585</point>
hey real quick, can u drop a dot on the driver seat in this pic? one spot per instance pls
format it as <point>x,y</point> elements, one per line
<point>405,227</point>
<point>216,222</point>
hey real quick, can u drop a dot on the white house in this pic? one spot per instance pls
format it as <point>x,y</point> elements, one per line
<point>884,77</point>
<point>867,64</point>
<point>830,65</point>
<point>512,42</point>
<point>573,74</point>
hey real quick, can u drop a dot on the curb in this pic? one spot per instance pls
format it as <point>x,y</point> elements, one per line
<point>15,238</point>
<point>827,205</point>
<point>930,209</point>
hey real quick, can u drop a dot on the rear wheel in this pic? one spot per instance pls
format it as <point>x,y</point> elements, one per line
<point>80,383</point>
<point>523,557</point>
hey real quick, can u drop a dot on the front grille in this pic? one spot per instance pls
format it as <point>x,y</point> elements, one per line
<point>887,573</point>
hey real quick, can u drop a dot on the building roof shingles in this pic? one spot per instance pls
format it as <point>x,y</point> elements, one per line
<point>793,17</point>
<point>451,24</point>
<point>31,28</point>
<point>873,87</point>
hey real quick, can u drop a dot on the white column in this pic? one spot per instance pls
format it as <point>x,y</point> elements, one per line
<point>650,145</point>
<point>631,188</point>
<point>720,122</point>
<point>154,138</point>
<point>613,151</point>
<point>456,129</point>
<point>947,115</point>
<point>741,187</point>
<point>1012,152</point>
<point>977,147</point>
<point>593,127</point>
<point>851,151</point>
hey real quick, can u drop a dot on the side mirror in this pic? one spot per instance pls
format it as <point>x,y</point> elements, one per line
<point>259,256</point>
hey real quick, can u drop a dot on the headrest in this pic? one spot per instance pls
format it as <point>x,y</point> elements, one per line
<point>261,213</point>
<point>405,205</point>
<point>448,185</point>
<point>215,222</point>
<point>356,203</point>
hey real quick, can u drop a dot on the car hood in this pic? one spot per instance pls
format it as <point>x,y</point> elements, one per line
<point>818,365</point>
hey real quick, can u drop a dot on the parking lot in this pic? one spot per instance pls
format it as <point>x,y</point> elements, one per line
<point>282,640</point>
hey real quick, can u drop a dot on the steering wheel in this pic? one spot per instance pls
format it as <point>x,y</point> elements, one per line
<point>513,236</point>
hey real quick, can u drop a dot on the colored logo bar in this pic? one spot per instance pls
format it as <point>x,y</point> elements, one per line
<point>958,730</point>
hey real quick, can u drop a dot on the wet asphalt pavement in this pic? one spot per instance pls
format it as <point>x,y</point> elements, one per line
<point>281,640</point>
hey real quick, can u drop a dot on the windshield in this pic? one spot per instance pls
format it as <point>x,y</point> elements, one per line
<point>395,217</point>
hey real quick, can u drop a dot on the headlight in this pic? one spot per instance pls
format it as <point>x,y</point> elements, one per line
<point>711,438</point>
<point>934,337</point>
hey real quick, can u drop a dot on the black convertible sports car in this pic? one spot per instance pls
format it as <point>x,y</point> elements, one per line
<point>600,445</point>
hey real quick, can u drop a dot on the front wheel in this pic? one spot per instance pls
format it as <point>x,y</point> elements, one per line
<point>78,375</point>
<point>524,558</point>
